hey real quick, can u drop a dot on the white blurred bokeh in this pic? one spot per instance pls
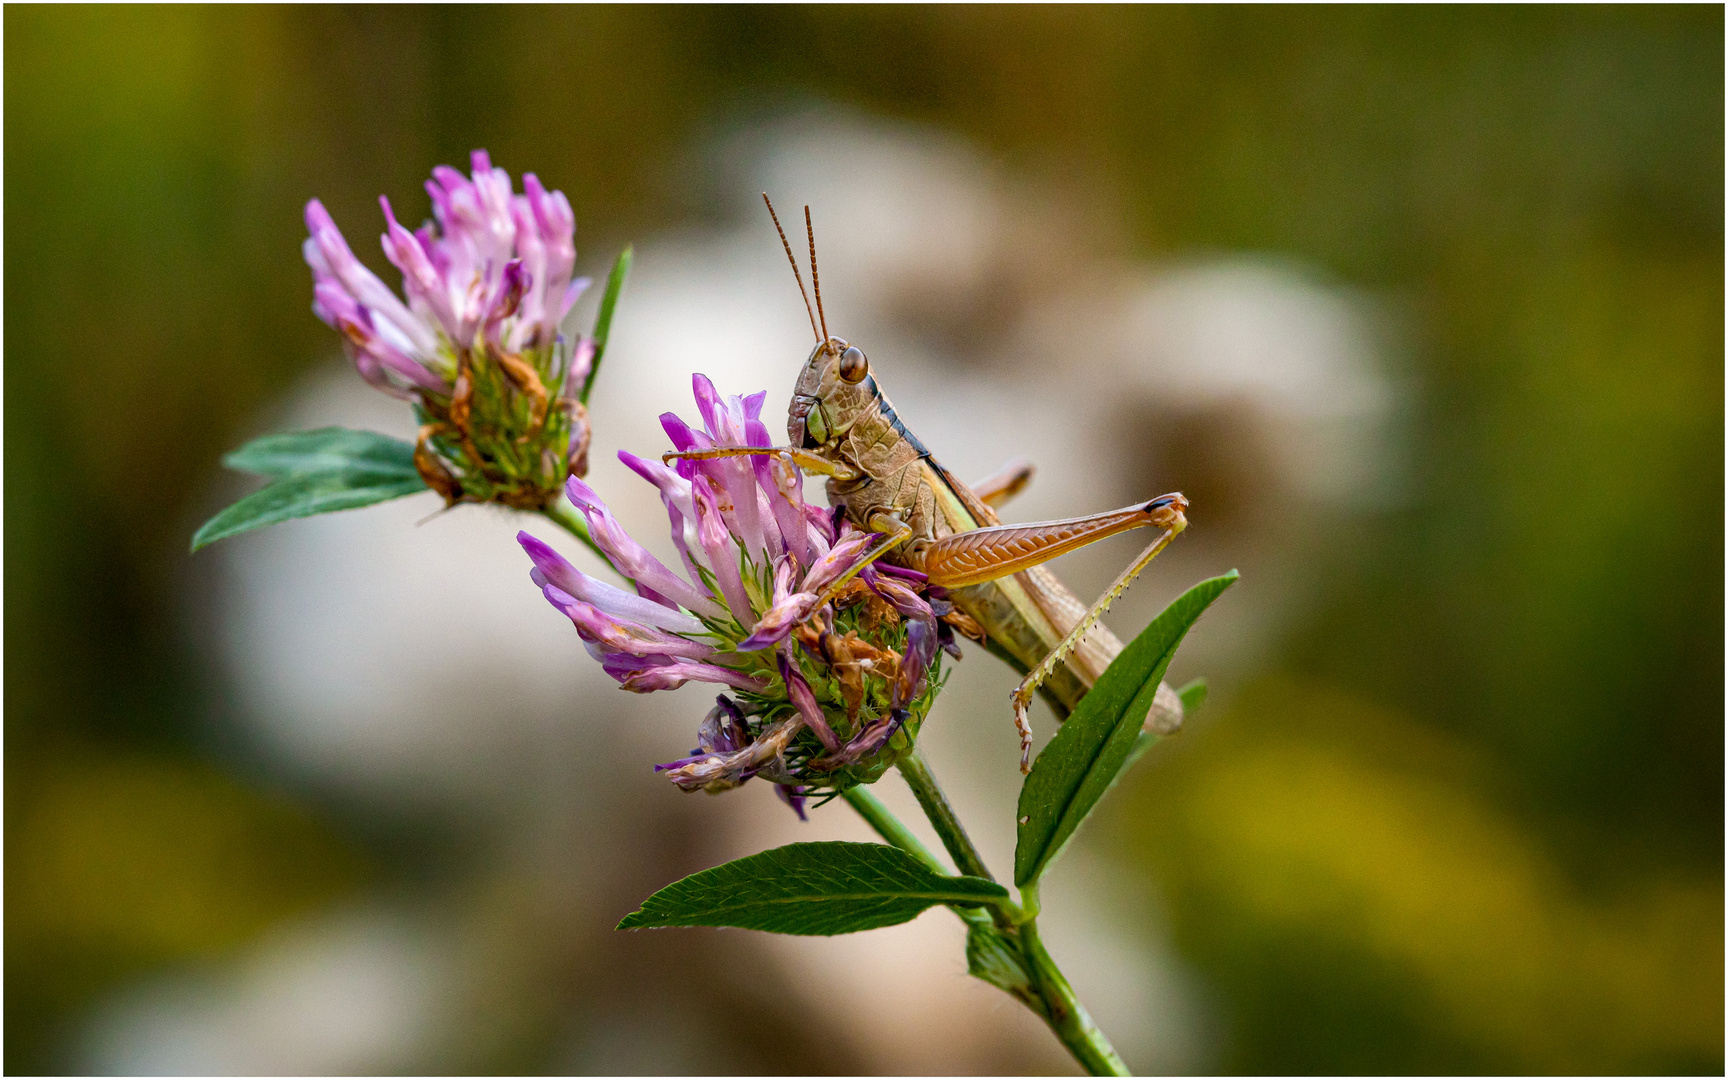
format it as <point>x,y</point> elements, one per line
<point>399,659</point>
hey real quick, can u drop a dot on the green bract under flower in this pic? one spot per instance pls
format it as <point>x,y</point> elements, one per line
<point>508,433</point>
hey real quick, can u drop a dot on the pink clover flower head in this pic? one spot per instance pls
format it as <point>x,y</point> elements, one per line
<point>831,665</point>
<point>474,335</point>
<point>491,262</point>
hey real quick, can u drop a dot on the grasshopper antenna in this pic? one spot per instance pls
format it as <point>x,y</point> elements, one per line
<point>815,277</point>
<point>789,258</point>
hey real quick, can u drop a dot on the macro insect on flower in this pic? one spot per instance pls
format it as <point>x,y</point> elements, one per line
<point>829,661</point>
<point>476,345</point>
<point>823,634</point>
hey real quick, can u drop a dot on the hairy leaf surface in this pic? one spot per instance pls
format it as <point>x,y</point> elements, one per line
<point>314,472</point>
<point>829,887</point>
<point>330,449</point>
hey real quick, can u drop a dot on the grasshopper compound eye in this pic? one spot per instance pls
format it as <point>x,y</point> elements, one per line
<point>853,365</point>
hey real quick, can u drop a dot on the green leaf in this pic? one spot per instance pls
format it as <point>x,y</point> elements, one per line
<point>818,888</point>
<point>314,472</point>
<point>603,320</point>
<point>329,449</point>
<point>1193,696</point>
<point>298,497</point>
<point>1083,760</point>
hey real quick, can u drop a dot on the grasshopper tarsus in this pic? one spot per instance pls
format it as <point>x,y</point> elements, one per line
<point>1023,724</point>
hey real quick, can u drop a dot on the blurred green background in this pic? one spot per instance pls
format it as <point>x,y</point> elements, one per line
<point>1469,819</point>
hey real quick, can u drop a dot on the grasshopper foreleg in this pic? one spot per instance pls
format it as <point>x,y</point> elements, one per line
<point>898,533</point>
<point>804,459</point>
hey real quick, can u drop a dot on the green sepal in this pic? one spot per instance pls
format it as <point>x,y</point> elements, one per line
<point>823,888</point>
<point>314,472</point>
<point>1082,762</point>
<point>992,956</point>
<point>603,319</point>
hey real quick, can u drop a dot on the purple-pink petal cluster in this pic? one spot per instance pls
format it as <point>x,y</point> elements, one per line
<point>755,603</point>
<point>492,267</point>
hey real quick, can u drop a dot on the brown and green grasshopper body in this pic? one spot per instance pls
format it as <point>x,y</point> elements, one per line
<point>891,478</point>
<point>882,477</point>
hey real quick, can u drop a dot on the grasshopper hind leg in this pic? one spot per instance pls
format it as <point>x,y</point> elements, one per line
<point>997,551</point>
<point>1022,696</point>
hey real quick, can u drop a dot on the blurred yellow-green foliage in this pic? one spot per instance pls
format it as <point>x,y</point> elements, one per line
<point>1470,818</point>
<point>1311,842</point>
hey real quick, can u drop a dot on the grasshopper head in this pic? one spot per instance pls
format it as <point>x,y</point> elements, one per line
<point>832,391</point>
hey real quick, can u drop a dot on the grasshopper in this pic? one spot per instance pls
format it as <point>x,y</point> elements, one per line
<point>842,426</point>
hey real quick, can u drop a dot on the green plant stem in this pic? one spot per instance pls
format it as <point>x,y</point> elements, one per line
<point>889,827</point>
<point>566,517</point>
<point>893,830</point>
<point>942,816</point>
<point>1067,1018</point>
<point>1063,1011</point>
